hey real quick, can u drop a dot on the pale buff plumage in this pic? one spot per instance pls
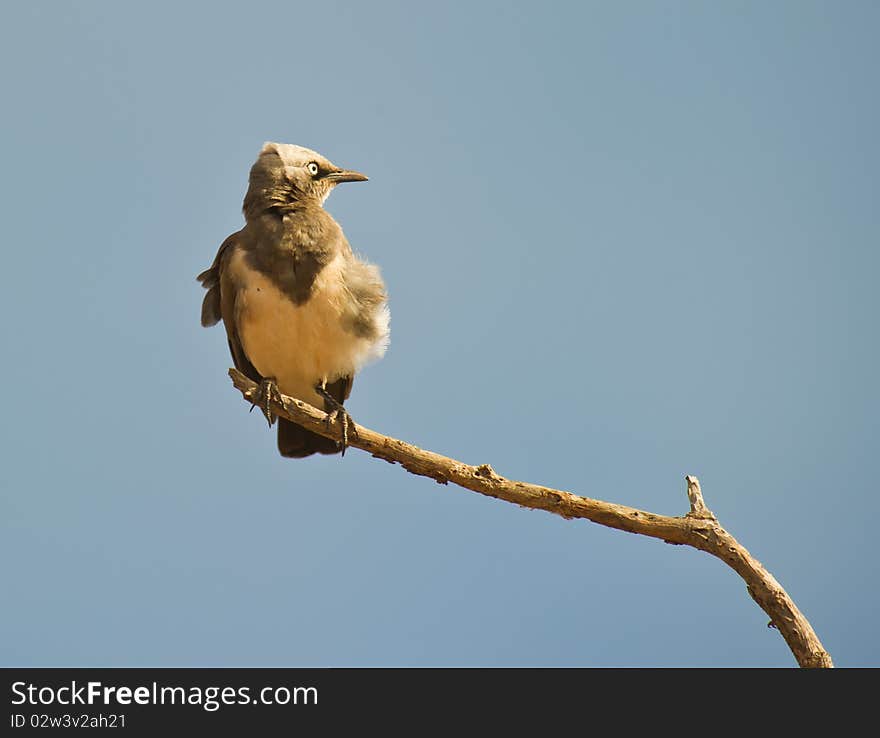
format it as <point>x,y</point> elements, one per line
<point>299,307</point>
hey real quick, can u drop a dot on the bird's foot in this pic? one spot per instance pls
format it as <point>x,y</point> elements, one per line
<point>336,413</point>
<point>266,395</point>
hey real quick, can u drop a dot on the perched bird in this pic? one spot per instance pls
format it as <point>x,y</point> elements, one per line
<point>302,313</point>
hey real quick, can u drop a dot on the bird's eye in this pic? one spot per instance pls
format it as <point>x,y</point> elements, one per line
<point>313,168</point>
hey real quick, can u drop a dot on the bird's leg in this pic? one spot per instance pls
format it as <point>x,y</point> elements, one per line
<point>337,413</point>
<point>266,394</point>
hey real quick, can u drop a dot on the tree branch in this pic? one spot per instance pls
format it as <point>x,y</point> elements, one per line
<point>698,528</point>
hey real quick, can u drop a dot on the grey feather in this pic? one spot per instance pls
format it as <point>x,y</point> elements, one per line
<point>289,239</point>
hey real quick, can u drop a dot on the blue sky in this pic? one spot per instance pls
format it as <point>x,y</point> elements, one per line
<point>624,242</point>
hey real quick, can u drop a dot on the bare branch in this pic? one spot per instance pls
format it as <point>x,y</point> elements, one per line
<point>698,528</point>
<point>695,495</point>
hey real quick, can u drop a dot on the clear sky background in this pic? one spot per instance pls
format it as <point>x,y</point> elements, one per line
<point>624,242</point>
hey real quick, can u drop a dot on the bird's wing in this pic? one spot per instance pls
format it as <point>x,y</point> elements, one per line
<point>219,303</point>
<point>210,279</point>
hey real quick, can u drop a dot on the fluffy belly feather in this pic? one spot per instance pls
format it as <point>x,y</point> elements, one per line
<point>298,345</point>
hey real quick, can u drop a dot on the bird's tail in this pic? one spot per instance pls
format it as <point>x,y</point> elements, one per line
<point>295,442</point>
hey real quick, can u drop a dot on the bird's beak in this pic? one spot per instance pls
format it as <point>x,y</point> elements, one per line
<point>346,175</point>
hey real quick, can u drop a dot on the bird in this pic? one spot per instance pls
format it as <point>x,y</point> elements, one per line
<point>302,312</point>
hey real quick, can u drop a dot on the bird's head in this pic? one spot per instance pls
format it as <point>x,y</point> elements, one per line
<point>285,176</point>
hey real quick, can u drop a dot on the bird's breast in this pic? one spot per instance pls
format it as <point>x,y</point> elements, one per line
<point>299,345</point>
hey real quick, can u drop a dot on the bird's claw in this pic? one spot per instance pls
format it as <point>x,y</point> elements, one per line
<point>266,395</point>
<point>336,413</point>
<point>346,424</point>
